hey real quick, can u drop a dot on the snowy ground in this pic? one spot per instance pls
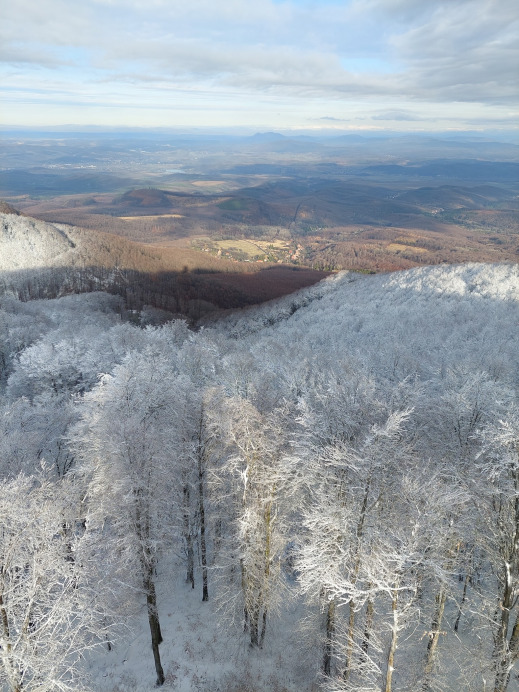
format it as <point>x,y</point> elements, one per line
<point>199,654</point>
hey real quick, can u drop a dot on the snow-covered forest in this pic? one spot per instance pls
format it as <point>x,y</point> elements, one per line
<point>321,493</point>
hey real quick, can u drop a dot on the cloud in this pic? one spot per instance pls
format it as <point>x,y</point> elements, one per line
<point>400,115</point>
<point>14,53</point>
<point>332,119</point>
<point>385,52</point>
<point>466,51</point>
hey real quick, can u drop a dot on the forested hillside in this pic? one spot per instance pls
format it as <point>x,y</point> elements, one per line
<point>45,260</point>
<point>321,493</point>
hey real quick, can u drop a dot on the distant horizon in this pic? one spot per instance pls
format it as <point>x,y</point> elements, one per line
<point>70,129</point>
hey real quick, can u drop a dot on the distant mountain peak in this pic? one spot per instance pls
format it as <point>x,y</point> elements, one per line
<point>267,136</point>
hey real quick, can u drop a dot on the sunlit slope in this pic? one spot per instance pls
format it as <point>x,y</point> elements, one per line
<point>27,243</point>
<point>402,323</point>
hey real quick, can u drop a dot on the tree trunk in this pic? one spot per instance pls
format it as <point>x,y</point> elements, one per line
<point>434,636</point>
<point>351,620</point>
<point>5,653</point>
<point>349,639</point>
<point>514,641</point>
<point>370,611</point>
<point>263,627</point>
<point>505,652</point>
<point>330,630</point>
<point>393,645</point>
<point>153,619</point>
<point>190,574</point>
<point>254,614</point>
<point>502,657</point>
<point>464,596</point>
<point>201,510</point>
<point>244,592</point>
<point>267,557</point>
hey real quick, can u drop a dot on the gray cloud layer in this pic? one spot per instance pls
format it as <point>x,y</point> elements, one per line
<point>436,51</point>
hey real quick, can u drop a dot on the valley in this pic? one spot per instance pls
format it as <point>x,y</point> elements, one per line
<point>350,202</point>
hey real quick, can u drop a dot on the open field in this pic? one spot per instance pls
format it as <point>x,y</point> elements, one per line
<point>244,246</point>
<point>398,246</point>
<point>151,217</point>
<point>207,183</point>
<point>247,249</point>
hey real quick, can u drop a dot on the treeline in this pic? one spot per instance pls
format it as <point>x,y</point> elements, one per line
<point>192,295</point>
<point>181,293</point>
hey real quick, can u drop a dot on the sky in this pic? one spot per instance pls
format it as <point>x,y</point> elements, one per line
<point>316,65</point>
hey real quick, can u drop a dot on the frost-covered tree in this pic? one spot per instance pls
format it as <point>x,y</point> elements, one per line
<point>497,500</point>
<point>55,600</point>
<point>130,439</point>
<point>251,481</point>
<point>32,431</point>
<point>198,357</point>
<point>285,430</point>
<point>351,481</point>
